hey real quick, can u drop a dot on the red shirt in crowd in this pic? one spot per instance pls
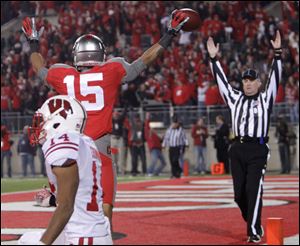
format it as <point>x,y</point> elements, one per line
<point>213,96</point>
<point>153,140</point>
<point>5,139</point>
<point>16,102</point>
<point>181,94</point>
<point>6,97</point>
<point>199,134</point>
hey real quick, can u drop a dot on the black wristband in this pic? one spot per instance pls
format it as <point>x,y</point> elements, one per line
<point>166,39</point>
<point>52,201</point>
<point>278,51</point>
<point>213,59</point>
<point>34,46</point>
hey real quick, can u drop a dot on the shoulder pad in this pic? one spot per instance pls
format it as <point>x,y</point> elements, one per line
<point>62,146</point>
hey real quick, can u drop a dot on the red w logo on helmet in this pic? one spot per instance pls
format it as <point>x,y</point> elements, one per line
<point>56,104</point>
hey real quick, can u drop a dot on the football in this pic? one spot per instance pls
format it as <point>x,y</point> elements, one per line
<point>194,22</point>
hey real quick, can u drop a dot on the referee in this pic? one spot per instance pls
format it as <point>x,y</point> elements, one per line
<point>250,115</point>
<point>176,140</point>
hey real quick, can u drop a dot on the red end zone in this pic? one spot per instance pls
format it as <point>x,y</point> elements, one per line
<point>197,210</point>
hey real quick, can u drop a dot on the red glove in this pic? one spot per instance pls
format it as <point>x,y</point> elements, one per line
<point>177,21</point>
<point>29,29</point>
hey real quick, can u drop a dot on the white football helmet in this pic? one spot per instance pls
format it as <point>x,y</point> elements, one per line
<point>57,114</point>
<point>88,51</point>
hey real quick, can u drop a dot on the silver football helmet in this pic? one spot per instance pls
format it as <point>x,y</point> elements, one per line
<point>88,50</point>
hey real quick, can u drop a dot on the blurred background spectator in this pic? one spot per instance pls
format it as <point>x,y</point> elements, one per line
<point>42,160</point>
<point>282,134</point>
<point>199,134</point>
<point>26,152</point>
<point>221,142</point>
<point>6,153</point>
<point>136,143</point>
<point>292,98</point>
<point>154,144</point>
<point>117,141</point>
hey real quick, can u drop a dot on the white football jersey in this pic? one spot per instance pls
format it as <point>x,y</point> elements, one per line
<point>87,219</point>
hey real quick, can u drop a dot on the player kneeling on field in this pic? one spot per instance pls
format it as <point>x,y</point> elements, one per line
<point>73,166</point>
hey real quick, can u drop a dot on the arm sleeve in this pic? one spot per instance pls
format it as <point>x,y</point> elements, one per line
<point>132,70</point>
<point>274,79</point>
<point>229,94</point>
<point>42,74</point>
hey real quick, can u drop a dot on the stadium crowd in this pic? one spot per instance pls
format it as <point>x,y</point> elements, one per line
<point>128,28</point>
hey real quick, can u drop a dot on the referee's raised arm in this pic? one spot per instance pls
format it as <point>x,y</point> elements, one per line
<point>229,94</point>
<point>276,71</point>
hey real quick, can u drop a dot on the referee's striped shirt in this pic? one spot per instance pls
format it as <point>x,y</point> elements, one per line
<point>250,115</point>
<point>175,137</point>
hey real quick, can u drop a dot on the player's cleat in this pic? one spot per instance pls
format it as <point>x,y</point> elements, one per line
<point>254,239</point>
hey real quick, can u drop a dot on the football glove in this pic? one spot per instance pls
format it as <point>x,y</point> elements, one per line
<point>176,22</point>
<point>29,29</point>
<point>45,198</point>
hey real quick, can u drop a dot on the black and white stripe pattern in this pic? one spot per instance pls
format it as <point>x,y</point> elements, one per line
<point>175,137</point>
<point>250,115</point>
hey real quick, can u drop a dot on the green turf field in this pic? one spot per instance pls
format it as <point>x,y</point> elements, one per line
<point>22,184</point>
<point>25,184</point>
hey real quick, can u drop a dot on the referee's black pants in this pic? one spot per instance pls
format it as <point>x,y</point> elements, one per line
<point>248,166</point>
<point>174,155</point>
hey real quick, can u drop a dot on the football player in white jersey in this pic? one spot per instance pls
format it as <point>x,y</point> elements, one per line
<point>73,165</point>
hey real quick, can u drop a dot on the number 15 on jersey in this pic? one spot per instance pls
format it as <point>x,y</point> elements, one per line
<point>86,90</point>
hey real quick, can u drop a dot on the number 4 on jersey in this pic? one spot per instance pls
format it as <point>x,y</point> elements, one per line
<point>65,137</point>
